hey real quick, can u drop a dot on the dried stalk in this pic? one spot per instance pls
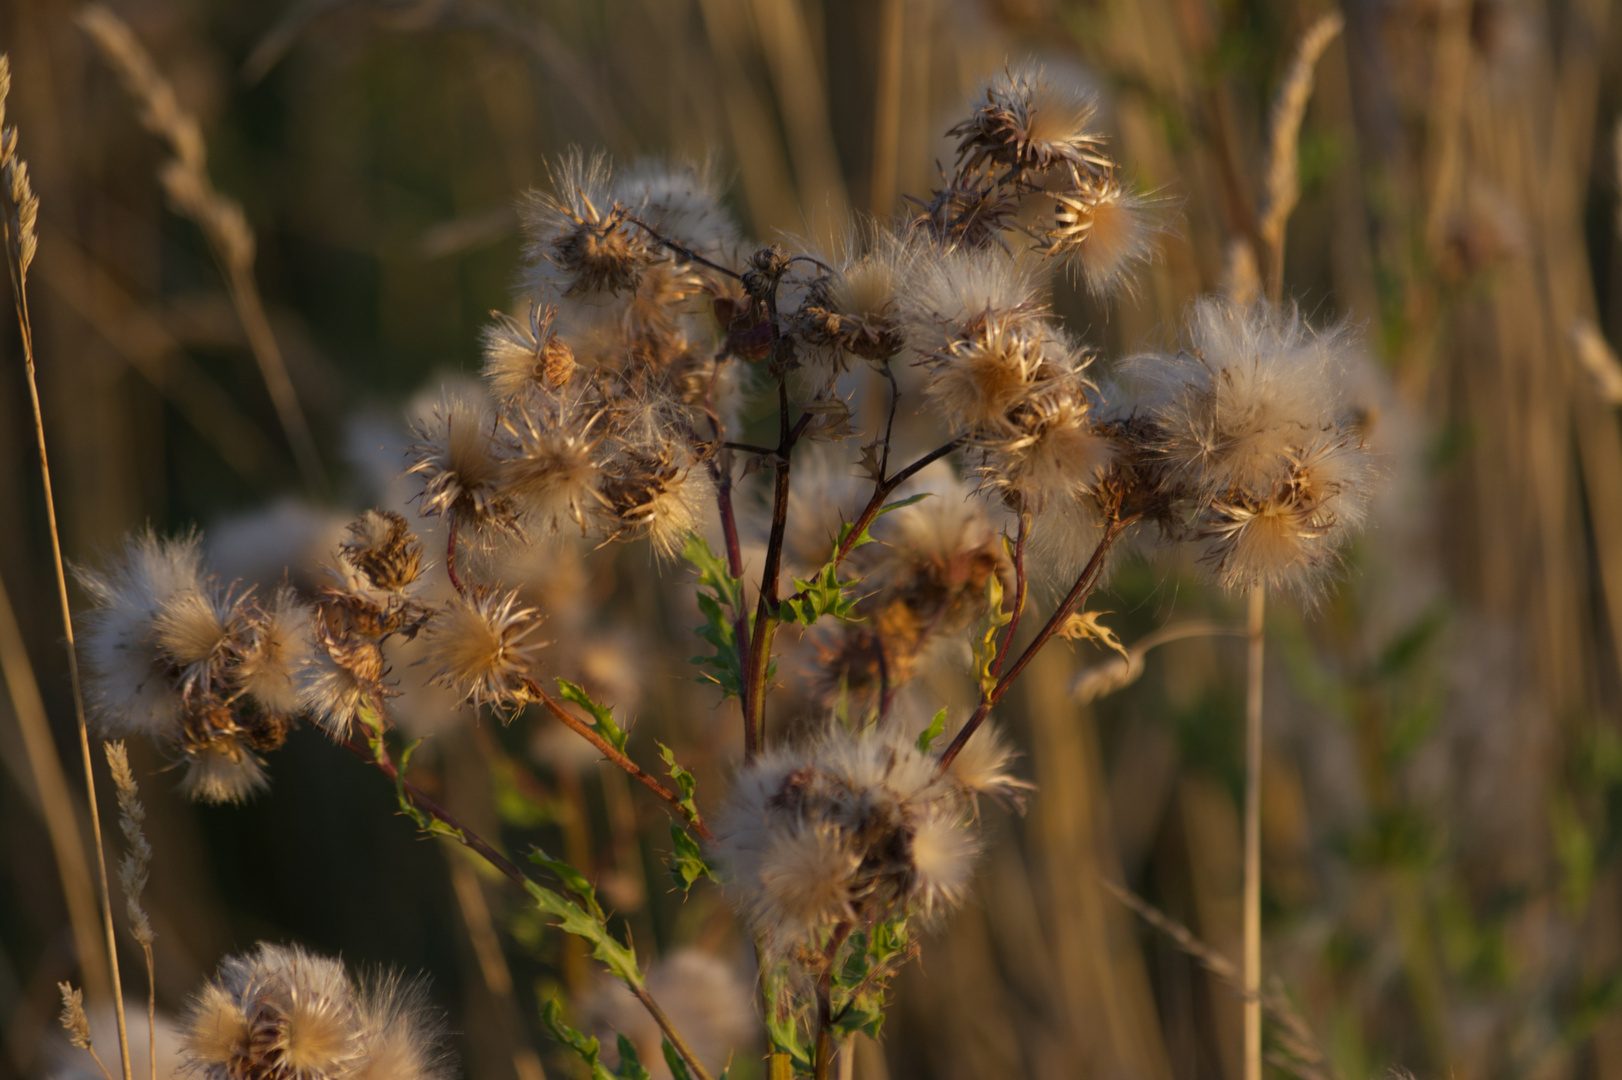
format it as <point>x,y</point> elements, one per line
<point>19,209</point>
<point>186,182</point>
<point>1253,834</point>
<point>1289,106</point>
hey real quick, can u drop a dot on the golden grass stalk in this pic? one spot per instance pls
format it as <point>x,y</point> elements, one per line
<point>887,109</point>
<point>1253,834</point>
<point>55,800</point>
<point>186,182</point>
<point>1289,106</point>
<point>132,878</point>
<point>19,209</point>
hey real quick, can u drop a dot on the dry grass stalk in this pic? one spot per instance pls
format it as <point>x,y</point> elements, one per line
<point>1289,106</point>
<point>186,182</point>
<point>55,801</point>
<point>1255,633</point>
<point>133,870</point>
<point>1303,1057</point>
<point>1598,361</point>
<point>19,209</point>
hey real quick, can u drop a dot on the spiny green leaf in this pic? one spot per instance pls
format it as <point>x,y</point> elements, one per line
<point>684,780</point>
<point>719,629</point>
<point>586,1047</point>
<point>687,862</point>
<point>572,879</point>
<point>867,535</point>
<point>573,919</point>
<point>602,716</point>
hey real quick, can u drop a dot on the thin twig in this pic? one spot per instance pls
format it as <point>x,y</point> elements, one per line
<point>19,209</point>
<point>607,749</point>
<point>1019,593</point>
<point>1078,593</point>
<point>670,1032</point>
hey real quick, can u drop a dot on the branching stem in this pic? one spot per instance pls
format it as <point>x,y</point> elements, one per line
<point>1078,593</point>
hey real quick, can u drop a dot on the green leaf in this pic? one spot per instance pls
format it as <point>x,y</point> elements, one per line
<point>678,1067</point>
<point>572,879</point>
<point>719,629</point>
<point>586,1047</point>
<point>602,716</point>
<point>867,535</point>
<point>782,1019</point>
<point>687,863</point>
<point>573,919</point>
<point>630,1065</point>
<point>684,780</point>
<point>927,737</point>
<point>821,594</point>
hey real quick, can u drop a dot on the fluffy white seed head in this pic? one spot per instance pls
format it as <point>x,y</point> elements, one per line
<point>829,833</point>
<point>1032,121</point>
<point>682,201</point>
<point>485,645</point>
<point>282,641</point>
<point>549,465</point>
<point>953,293</point>
<point>222,771</point>
<point>456,457</point>
<point>282,1013</point>
<point>1103,231</point>
<point>127,679</point>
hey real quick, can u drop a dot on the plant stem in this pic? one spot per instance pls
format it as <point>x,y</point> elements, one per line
<point>1253,837</point>
<point>825,1050</point>
<point>1078,593</point>
<point>25,329</point>
<point>378,755</point>
<point>607,749</point>
<point>422,801</point>
<point>450,553</point>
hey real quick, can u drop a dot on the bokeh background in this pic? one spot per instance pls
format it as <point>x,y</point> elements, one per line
<point>1443,802</point>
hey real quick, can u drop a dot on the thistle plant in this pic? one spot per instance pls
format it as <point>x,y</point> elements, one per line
<point>868,460</point>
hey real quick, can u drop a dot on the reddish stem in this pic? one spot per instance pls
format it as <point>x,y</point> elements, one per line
<point>451,528</point>
<point>1078,593</point>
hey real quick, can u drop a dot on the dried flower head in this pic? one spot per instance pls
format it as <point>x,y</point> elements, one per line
<point>1102,230</point>
<point>1252,423</point>
<point>281,642</point>
<point>520,357</point>
<point>222,769</point>
<point>1030,121</point>
<point>657,491</point>
<point>456,457</point>
<point>578,234</point>
<point>549,463</point>
<point>953,295</point>
<point>281,1013</point>
<point>339,674</point>
<point>128,674</point>
<point>382,547</point>
<point>680,200</point>
<point>485,647</point>
<point>853,827</point>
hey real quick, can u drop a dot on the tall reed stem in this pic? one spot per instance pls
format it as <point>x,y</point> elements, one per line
<point>1253,837</point>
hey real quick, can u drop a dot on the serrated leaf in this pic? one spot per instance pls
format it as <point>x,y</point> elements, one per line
<point>586,1047</point>
<point>573,919</point>
<point>927,737</point>
<point>719,629</point>
<point>572,879</point>
<point>630,1065</point>
<point>602,716</point>
<point>684,780</point>
<point>687,862</point>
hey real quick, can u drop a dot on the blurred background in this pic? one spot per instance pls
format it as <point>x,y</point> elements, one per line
<point>1443,796</point>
